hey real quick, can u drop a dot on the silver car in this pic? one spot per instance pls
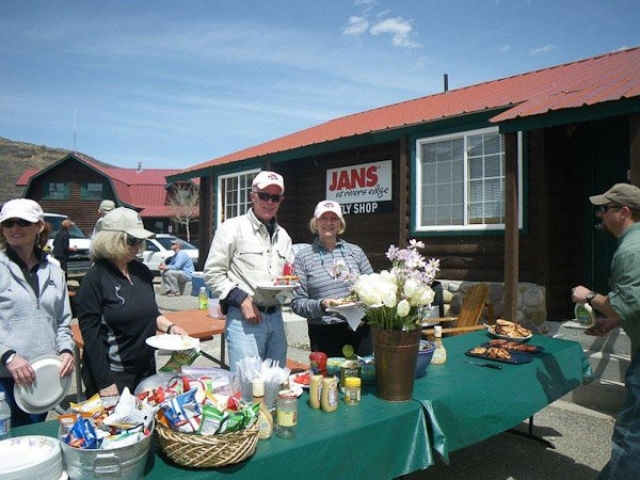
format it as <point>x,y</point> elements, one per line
<point>158,249</point>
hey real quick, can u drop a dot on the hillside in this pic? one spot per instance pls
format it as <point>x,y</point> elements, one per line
<point>16,157</point>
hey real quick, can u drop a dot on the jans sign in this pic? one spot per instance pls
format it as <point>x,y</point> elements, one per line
<point>364,188</point>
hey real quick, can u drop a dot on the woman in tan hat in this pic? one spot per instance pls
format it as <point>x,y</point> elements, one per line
<point>117,309</point>
<point>325,269</point>
<point>35,313</point>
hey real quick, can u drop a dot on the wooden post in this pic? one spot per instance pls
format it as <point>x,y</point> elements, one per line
<point>205,223</point>
<point>634,149</point>
<point>403,224</point>
<point>511,251</point>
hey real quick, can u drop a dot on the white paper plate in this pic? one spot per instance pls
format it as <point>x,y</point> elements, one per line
<point>345,306</point>
<point>295,388</point>
<point>19,455</point>
<point>48,389</point>
<point>277,288</point>
<point>173,343</point>
<point>292,380</point>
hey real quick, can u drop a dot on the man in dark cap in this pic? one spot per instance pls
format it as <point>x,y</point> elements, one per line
<point>61,246</point>
<point>620,214</point>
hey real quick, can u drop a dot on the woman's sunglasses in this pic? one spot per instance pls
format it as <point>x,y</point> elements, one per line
<point>20,222</point>
<point>265,197</point>
<point>133,241</point>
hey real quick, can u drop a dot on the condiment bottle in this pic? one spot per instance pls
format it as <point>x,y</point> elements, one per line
<point>329,394</point>
<point>440,353</point>
<point>5,418</point>
<point>585,315</point>
<point>265,419</point>
<point>286,414</point>
<point>352,390</point>
<point>315,390</point>
<point>288,269</point>
<point>202,299</point>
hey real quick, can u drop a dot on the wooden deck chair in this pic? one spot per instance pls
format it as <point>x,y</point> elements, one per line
<point>472,305</point>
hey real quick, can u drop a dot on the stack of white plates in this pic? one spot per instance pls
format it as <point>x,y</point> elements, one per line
<point>31,457</point>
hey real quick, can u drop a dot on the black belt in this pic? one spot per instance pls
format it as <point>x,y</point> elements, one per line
<point>269,309</point>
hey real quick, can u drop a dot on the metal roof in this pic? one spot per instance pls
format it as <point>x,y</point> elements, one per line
<point>142,189</point>
<point>605,78</point>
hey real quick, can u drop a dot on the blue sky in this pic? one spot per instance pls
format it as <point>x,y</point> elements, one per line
<point>176,83</point>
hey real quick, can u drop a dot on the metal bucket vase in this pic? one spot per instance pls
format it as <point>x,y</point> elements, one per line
<point>395,354</point>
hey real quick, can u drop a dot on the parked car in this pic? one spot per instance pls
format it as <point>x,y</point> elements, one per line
<point>159,249</point>
<point>79,261</point>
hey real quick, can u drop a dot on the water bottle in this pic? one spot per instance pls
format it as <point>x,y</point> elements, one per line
<point>202,299</point>
<point>5,418</point>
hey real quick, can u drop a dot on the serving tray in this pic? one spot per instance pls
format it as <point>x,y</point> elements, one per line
<point>516,357</point>
<point>534,348</point>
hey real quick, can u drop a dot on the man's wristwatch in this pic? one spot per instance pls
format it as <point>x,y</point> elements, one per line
<point>590,297</point>
<point>9,359</point>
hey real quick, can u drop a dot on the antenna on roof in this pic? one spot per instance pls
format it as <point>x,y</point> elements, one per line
<point>75,150</point>
<point>139,170</point>
<point>446,82</point>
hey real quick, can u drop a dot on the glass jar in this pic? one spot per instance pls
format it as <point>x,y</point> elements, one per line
<point>286,414</point>
<point>349,368</point>
<point>352,390</point>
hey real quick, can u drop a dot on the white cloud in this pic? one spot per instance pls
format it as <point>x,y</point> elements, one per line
<point>399,29</point>
<point>357,26</point>
<point>544,49</point>
<point>504,48</point>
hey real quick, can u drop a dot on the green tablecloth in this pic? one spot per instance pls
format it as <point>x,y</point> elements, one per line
<point>466,404</point>
<point>373,440</point>
<point>457,404</point>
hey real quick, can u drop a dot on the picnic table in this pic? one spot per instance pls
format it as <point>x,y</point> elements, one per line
<point>453,406</point>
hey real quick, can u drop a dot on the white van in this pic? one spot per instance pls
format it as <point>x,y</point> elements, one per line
<point>79,261</point>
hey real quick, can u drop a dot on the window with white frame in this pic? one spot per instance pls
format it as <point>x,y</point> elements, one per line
<point>461,181</point>
<point>233,194</point>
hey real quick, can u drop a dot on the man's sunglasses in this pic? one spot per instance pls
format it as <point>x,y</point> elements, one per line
<point>604,208</point>
<point>265,197</point>
<point>20,222</point>
<point>133,241</point>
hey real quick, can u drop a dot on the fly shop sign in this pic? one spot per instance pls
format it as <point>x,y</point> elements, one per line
<point>364,188</point>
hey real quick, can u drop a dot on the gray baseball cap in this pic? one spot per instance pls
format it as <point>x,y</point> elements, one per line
<point>622,194</point>
<point>124,219</point>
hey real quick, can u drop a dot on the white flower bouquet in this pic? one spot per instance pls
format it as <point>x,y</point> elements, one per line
<point>394,299</point>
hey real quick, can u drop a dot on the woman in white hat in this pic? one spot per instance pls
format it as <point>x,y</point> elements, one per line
<point>117,309</point>
<point>325,269</point>
<point>35,313</point>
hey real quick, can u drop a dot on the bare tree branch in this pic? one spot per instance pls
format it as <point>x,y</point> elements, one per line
<point>184,205</point>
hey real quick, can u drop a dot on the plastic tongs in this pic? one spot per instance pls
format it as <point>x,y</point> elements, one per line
<point>488,365</point>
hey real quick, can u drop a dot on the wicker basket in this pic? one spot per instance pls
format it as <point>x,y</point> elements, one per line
<point>206,451</point>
